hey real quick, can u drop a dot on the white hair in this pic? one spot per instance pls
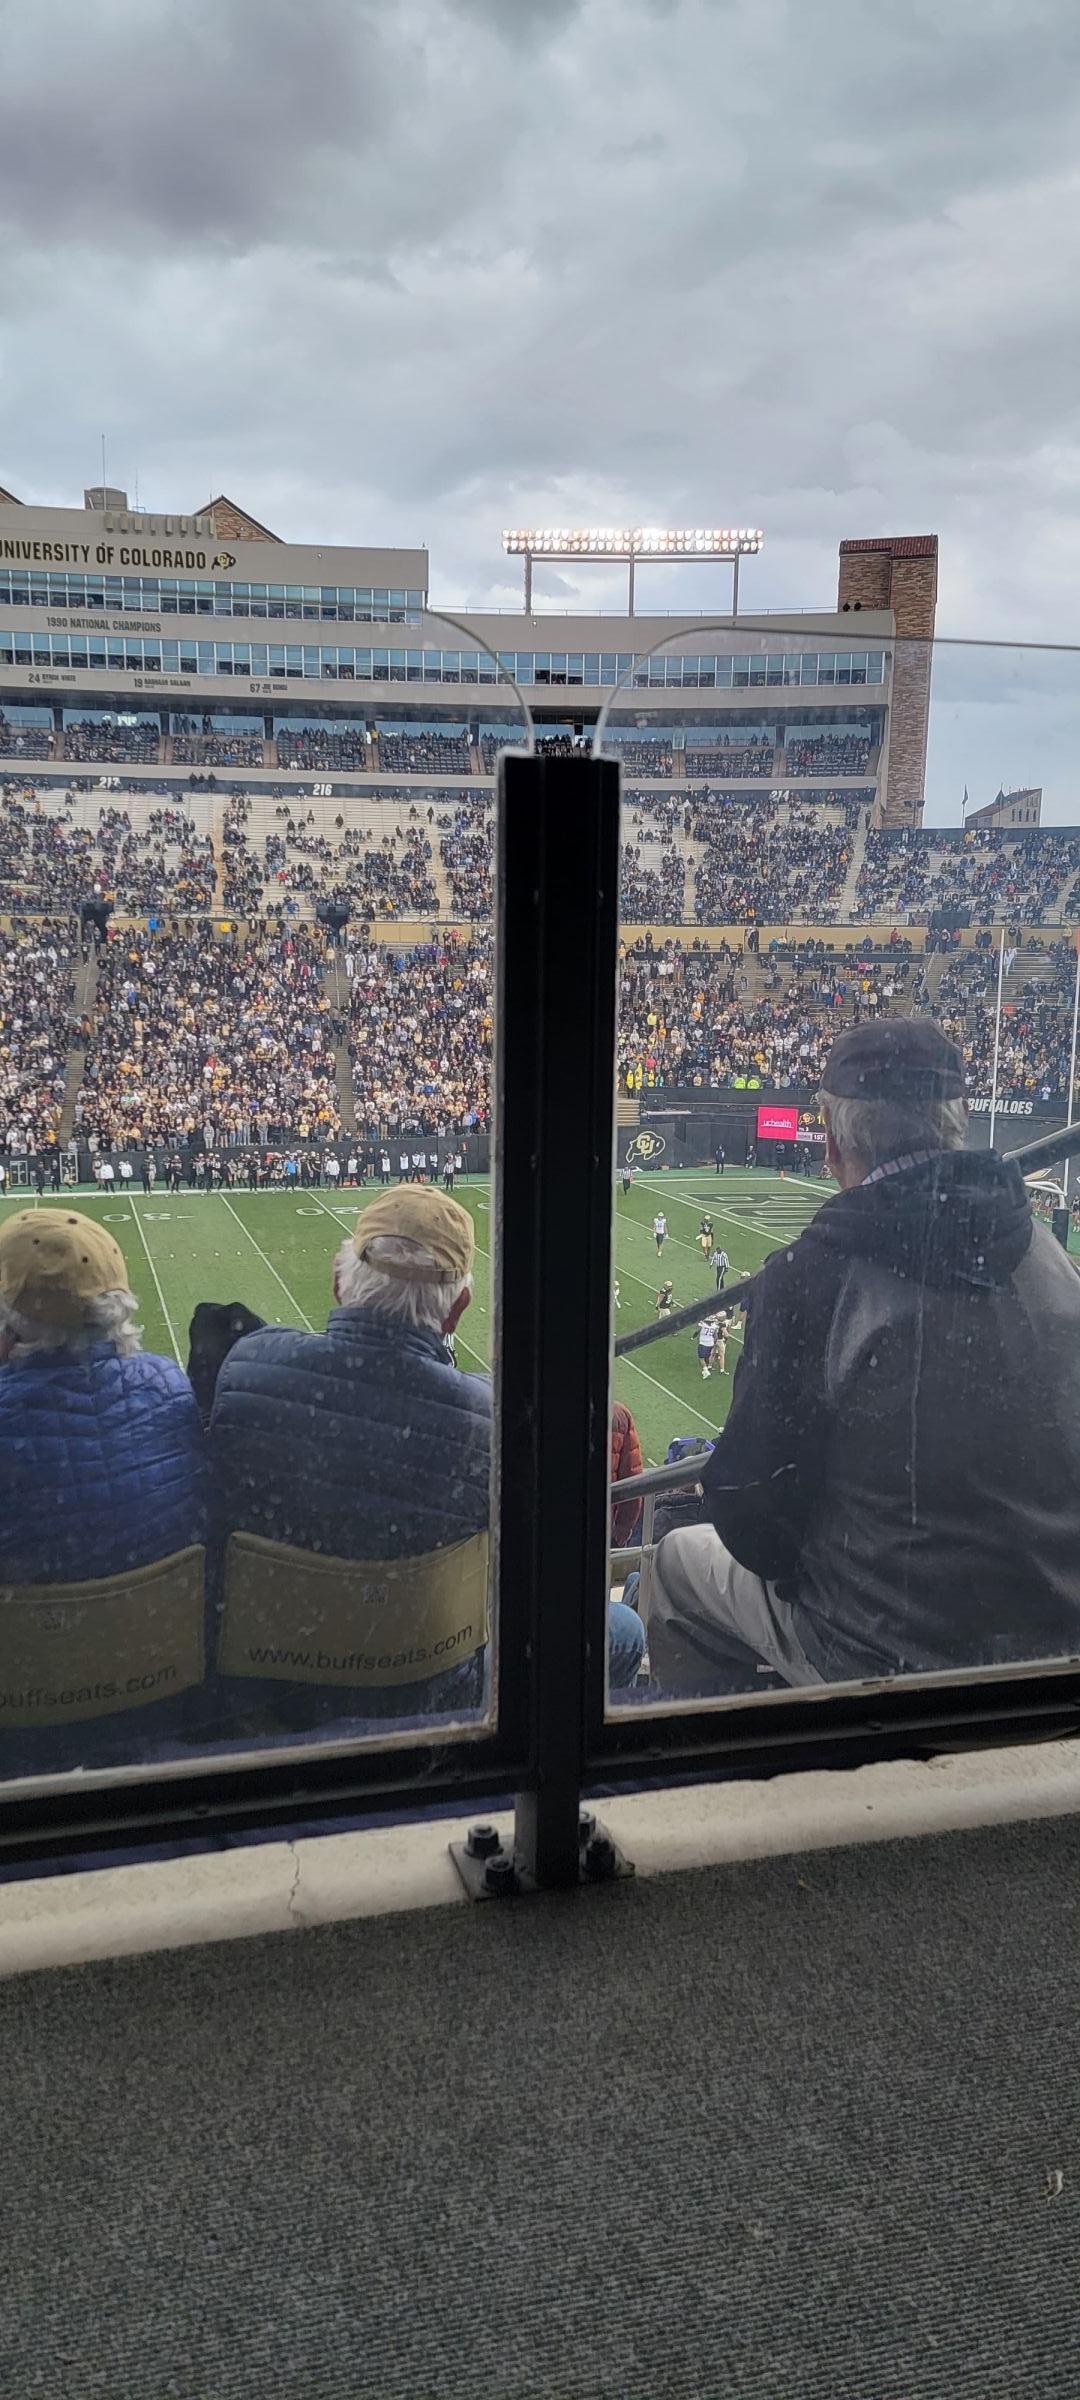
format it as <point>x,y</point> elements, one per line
<point>360,1285</point>
<point>872,1131</point>
<point>109,1318</point>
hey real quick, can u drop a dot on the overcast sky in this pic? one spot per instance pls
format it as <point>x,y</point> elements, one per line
<point>413,271</point>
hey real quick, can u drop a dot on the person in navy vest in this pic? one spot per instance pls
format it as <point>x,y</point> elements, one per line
<point>365,1441</point>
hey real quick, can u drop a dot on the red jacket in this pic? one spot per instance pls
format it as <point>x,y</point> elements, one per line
<point>626,1459</point>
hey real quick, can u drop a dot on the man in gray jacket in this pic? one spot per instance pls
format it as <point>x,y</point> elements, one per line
<point>897,1486</point>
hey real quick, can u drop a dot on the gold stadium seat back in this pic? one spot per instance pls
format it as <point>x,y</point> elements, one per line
<point>299,1618</point>
<point>76,1650</point>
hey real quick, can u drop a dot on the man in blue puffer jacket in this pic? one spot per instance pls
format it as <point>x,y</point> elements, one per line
<point>102,1455</point>
<point>364,1442</point>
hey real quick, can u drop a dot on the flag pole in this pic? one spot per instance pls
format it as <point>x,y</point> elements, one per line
<point>997,1036</point>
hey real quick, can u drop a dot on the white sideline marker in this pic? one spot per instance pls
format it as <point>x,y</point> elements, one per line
<point>157,1283</point>
<point>267,1262</point>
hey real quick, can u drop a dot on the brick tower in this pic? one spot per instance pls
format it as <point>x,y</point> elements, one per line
<point>900,574</point>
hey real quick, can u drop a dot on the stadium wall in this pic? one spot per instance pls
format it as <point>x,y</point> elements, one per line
<point>689,1123</point>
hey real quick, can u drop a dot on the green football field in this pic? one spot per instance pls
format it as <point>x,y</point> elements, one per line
<point>273,1250</point>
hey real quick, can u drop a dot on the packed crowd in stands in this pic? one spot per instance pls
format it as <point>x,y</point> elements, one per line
<point>775,857</point>
<point>465,847</point>
<point>684,1020</point>
<point>651,894</point>
<point>323,749</point>
<point>178,1018</point>
<point>221,1037</point>
<point>36,997</point>
<point>24,741</point>
<point>420,1033</point>
<point>110,743</point>
<point>424,753</point>
<point>828,754</point>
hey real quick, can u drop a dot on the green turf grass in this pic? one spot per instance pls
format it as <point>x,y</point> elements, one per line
<point>273,1250</point>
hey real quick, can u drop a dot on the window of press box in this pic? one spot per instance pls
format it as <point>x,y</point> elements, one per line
<point>846,1218</point>
<point>247,1234</point>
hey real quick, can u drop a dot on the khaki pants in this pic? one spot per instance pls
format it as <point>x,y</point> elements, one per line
<point>711,1621</point>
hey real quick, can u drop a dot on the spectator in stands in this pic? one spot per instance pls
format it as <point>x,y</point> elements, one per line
<point>101,1450</point>
<point>626,1459</point>
<point>35,1005</point>
<point>363,1441</point>
<point>897,1486</point>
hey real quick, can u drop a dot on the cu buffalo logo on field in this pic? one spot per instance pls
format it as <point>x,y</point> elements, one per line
<point>225,558</point>
<point>644,1148</point>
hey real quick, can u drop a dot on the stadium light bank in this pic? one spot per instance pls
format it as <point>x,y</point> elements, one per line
<point>656,543</point>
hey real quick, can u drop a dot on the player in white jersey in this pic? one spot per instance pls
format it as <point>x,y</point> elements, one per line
<point>707,1334</point>
<point>659,1226</point>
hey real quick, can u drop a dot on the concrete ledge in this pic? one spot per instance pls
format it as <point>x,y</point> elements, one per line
<point>64,1920</point>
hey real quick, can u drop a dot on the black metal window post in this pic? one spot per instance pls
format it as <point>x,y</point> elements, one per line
<point>558,934</point>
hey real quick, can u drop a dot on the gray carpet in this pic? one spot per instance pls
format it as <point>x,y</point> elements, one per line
<point>772,2131</point>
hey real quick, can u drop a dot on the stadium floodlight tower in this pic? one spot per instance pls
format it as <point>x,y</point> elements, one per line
<point>660,545</point>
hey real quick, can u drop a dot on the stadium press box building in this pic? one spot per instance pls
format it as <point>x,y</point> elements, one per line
<point>208,627</point>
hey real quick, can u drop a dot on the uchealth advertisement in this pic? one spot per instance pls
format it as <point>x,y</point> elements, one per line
<point>777,1124</point>
<point>789,1124</point>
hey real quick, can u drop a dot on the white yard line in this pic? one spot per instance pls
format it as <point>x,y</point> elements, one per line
<point>460,1343</point>
<point>709,1422</point>
<point>157,1281</point>
<point>267,1262</point>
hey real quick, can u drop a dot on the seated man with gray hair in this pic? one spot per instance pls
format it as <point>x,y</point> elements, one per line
<point>897,1486</point>
<point>365,1442</point>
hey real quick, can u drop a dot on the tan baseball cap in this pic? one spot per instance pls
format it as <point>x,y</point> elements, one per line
<point>414,1212</point>
<point>53,1261</point>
